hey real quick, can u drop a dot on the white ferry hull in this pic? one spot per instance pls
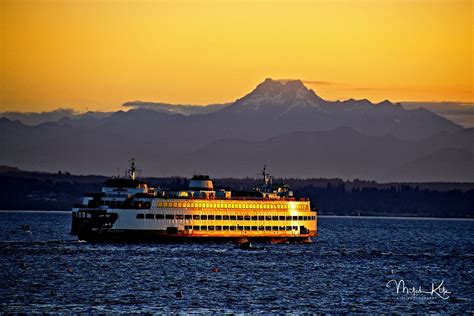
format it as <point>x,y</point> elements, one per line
<point>193,225</point>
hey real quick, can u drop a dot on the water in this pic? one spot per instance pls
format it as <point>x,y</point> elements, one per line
<point>346,269</point>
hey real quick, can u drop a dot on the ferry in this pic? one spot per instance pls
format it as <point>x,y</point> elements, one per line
<point>128,210</point>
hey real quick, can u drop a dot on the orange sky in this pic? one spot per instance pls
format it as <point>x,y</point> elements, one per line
<point>95,55</point>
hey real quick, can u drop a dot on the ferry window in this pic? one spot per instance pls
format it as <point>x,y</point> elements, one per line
<point>288,227</point>
<point>140,216</point>
<point>179,216</point>
<point>282,218</point>
<point>254,218</point>
<point>274,227</point>
<point>268,228</point>
<point>169,216</point>
<point>195,227</point>
<point>225,227</point>
<point>225,217</point>
<point>261,227</point>
<point>195,216</point>
<point>295,227</point>
<point>240,217</point>
<point>275,218</point>
<point>188,204</point>
<point>240,227</point>
<point>232,217</point>
<point>203,227</point>
<point>180,204</point>
<point>160,216</point>
<point>218,217</point>
<point>288,218</point>
<point>207,205</point>
<point>203,217</point>
<point>193,204</point>
<point>254,227</point>
<point>211,217</point>
<point>175,204</point>
<point>246,227</point>
<point>282,227</point>
<point>300,218</point>
<point>261,218</point>
<point>295,218</point>
<point>210,227</point>
<point>268,218</point>
<point>150,216</point>
<point>159,204</point>
<point>247,217</point>
<point>218,227</point>
<point>188,216</point>
<point>305,218</point>
<point>232,227</point>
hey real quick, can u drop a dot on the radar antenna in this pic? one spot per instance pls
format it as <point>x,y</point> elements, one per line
<point>132,172</point>
<point>266,175</point>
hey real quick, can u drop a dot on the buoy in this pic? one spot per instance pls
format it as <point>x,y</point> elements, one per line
<point>69,269</point>
<point>215,269</point>
<point>179,294</point>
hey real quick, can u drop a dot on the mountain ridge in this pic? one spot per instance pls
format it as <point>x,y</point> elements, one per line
<point>272,118</point>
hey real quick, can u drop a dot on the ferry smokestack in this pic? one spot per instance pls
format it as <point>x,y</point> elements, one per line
<point>201,183</point>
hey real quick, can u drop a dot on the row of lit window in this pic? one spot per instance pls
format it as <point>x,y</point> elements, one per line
<point>251,228</point>
<point>226,217</point>
<point>233,205</point>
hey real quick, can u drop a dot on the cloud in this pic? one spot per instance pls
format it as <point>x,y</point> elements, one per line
<point>366,89</point>
<point>461,113</point>
<point>319,82</point>
<point>310,82</point>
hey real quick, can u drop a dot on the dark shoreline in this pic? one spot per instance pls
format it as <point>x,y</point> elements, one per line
<point>21,190</point>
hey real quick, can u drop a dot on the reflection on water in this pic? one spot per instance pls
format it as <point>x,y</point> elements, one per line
<point>345,269</point>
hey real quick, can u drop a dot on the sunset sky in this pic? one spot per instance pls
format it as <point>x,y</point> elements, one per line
<point>97,55</point>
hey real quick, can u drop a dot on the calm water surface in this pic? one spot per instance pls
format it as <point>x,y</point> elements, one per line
<point>347,268</point>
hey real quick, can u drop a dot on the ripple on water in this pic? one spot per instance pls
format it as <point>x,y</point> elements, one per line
<point>345,269</point>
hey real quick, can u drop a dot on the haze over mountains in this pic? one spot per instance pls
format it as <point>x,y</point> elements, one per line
<point>282,124</point>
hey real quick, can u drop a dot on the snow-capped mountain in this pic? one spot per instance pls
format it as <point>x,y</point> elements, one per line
<point>279,122</point>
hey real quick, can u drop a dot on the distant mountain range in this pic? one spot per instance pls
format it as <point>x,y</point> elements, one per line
<point>283,124</point>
